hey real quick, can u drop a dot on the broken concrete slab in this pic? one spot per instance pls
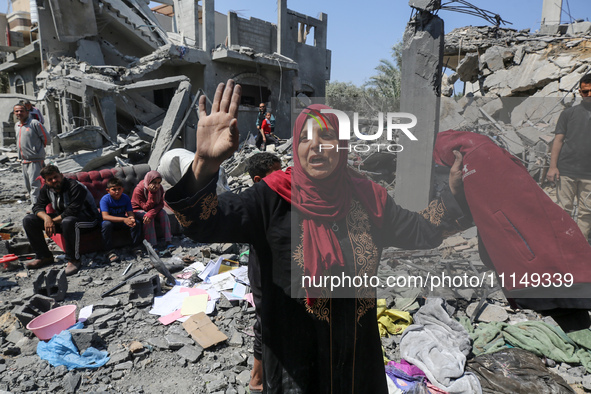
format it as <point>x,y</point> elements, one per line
<point>468,68</point>
<point>81,138</point>
<point>488,312</point>
<point>536,109</point>
<point>90,51</point>
<point>570,82</point>
<point>88,161</point>
<point>172,121</point>
<point>73,20</point>
<point>495,57</point>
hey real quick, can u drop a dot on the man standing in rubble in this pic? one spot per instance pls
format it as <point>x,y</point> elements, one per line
<point>31,139</point>
<point>33,111</point>
<point>570,160</point>
<point>261,116</point>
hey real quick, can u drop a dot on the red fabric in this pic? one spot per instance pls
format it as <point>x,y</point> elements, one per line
<point>266,126</point>
<point>522,229</point>
<point>322,202</point>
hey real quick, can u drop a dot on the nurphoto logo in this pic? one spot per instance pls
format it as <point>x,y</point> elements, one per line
<point>345,130</point>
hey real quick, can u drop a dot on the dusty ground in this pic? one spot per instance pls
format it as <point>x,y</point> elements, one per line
<point>167,359</point>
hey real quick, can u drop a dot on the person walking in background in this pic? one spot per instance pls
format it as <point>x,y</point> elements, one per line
<point>570,158</point>
<point>33,111</point>
<point>31,140</point>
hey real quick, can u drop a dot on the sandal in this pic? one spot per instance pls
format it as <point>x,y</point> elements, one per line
<point>113,257</point>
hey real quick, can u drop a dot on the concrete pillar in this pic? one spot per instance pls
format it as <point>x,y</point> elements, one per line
<point>282,28</point>
<point>320,32</point>
<point>422,58</point>
<point>233,38</point>
<point>186,14</point>
<point>551,12</point>
<point>109,113</point>
<point>208,26</point>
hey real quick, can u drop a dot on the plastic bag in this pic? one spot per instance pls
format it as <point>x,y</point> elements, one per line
<point>60,350</point>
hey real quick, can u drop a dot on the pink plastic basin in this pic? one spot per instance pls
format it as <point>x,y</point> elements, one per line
<point>53,322</point>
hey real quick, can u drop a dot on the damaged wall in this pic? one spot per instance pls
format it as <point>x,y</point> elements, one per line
<point>119,70</point>
<point>517,84</point>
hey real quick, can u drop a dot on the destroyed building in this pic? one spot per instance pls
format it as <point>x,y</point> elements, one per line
<point>516,84</point>
<point>105,68</point>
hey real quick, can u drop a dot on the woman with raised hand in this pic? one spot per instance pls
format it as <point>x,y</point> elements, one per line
<point>314,223</point>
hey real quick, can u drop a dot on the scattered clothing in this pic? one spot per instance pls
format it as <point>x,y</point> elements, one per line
<point>516,371</point>
<point>392,321</point>
<point>537,337</point>
<point>439,345</point>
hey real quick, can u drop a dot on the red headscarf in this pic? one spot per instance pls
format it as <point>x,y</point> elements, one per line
<point>323,202</point>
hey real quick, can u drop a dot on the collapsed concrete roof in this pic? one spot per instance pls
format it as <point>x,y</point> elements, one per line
<point>118,65</point>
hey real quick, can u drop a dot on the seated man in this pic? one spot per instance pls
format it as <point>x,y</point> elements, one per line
<point>118,213</point>
<point>75,210</point>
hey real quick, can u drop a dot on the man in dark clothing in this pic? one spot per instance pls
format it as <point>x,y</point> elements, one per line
<point>75,210</point>
<point>258,167</point>
<point>570,158</point>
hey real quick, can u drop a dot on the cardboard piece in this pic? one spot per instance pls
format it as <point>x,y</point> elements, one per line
<point>203,331</point>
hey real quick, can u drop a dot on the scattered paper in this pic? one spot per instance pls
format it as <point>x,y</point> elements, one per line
<point>241,275</point>
<point>85,313</point>
<point>231,296</point>
<point>239,290</point>
<point>169,302</point>
<point>211,269</point>
<point>248,297</point>
<point>194,304</point>
<point>223,281</point>
<point>166,320</point>
<point>193,291</point>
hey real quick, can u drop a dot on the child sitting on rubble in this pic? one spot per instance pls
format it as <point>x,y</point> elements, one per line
<point>118,213</point>
<point>147,202</point>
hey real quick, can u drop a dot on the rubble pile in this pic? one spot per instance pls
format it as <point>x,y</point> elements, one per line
<point>147,356</point>
<point>517,84</point>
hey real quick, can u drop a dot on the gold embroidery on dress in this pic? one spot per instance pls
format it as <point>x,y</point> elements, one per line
<point>182,219</point>
<point>209,206</point>
<point>434,212</point>
<point>320,308</point>
<point>365,255</point>
<point>298,252</point>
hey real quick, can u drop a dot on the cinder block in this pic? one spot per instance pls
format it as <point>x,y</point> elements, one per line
<point>143,288</point>
<point>37,305</point>
<point>53,283</point>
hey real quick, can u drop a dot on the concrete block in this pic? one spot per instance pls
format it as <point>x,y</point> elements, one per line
<point>550,30</point>
<point>90,52</point>
<point>171,123</point>
<point>81,138</point>
<point>85,338</point>
<point>468,68</point>
<point>52,283</point>
<point>143,288</point>
<point>579,28</point>
<point>36,305</point>
<point>425,5</point>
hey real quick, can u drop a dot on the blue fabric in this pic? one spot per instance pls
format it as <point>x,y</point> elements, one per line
<point>116,207</point>
<point>60,350</point>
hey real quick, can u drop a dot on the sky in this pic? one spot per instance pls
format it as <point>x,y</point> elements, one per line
<point>361,33</point>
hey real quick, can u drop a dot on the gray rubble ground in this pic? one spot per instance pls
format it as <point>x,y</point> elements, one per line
<point>147,357</point>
